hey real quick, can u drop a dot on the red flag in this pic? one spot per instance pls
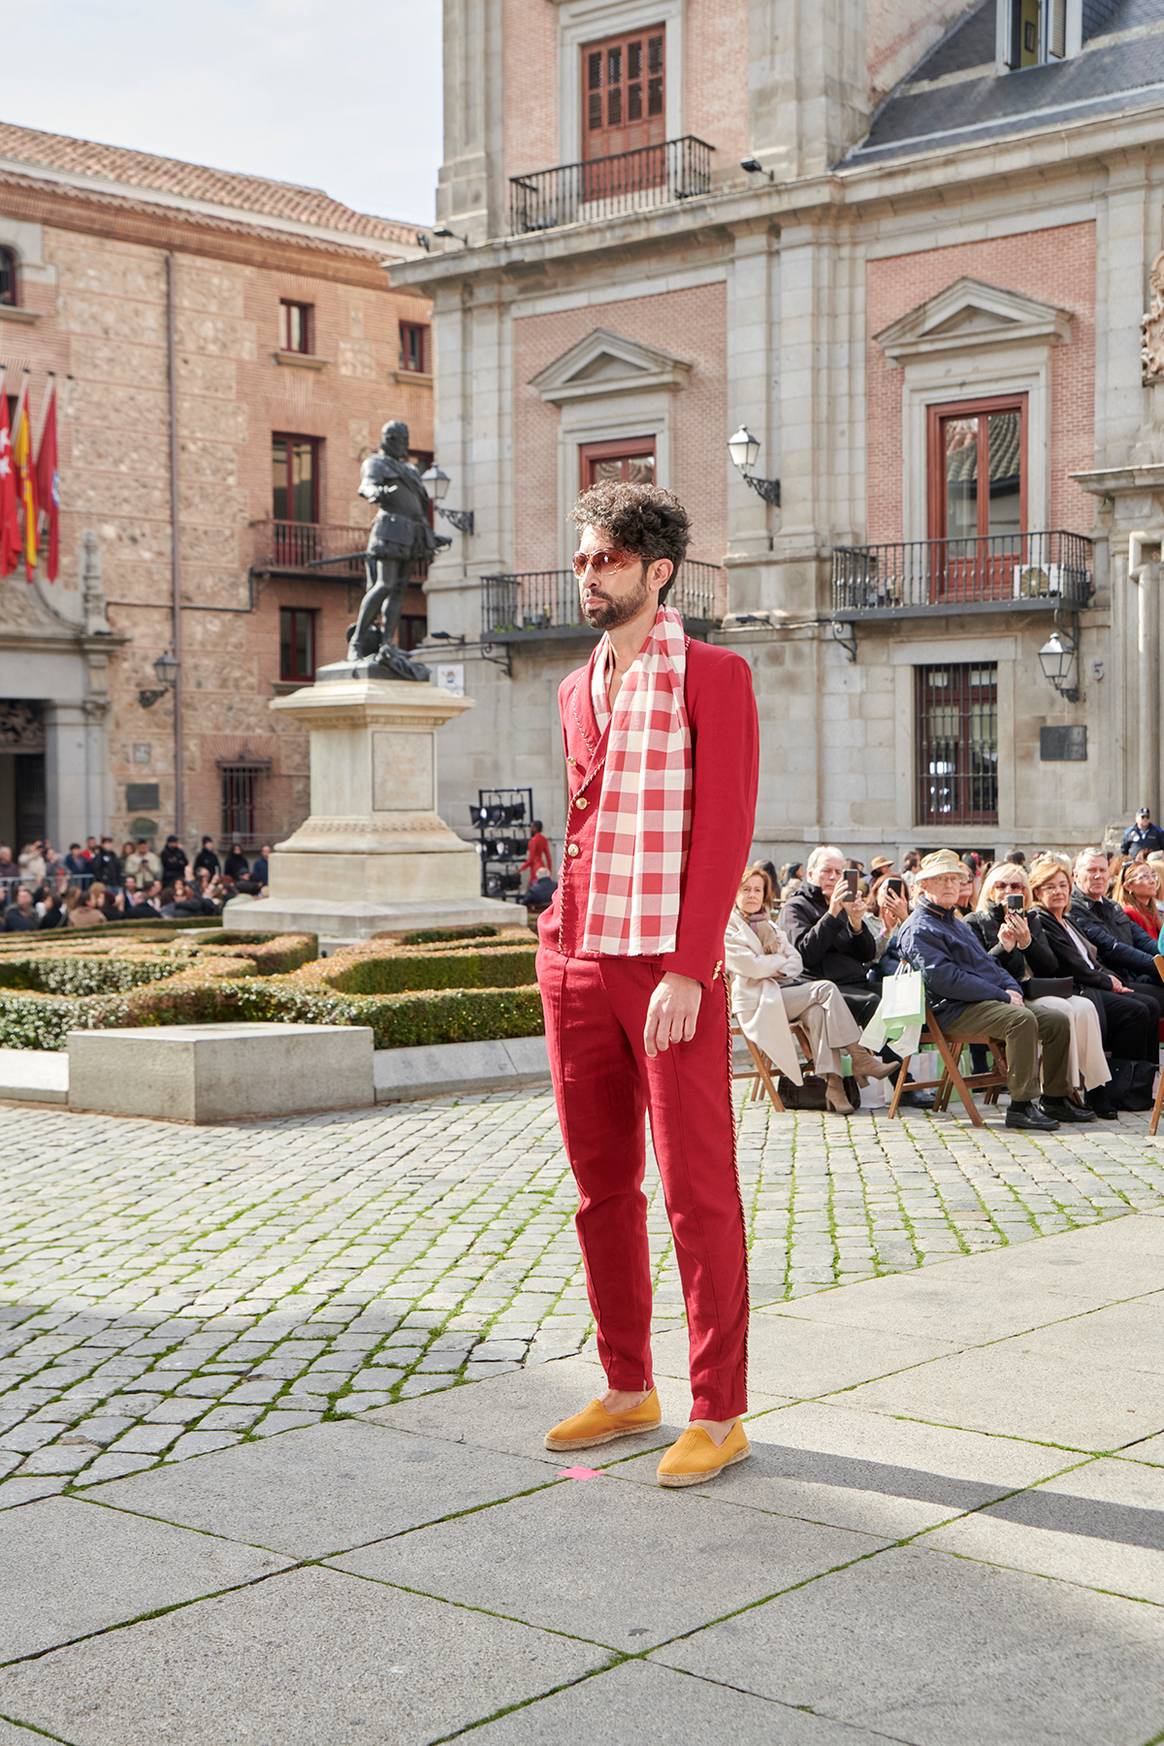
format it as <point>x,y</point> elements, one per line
<point>10,541</point>
<point>48,488</point>
<point>25,479</point>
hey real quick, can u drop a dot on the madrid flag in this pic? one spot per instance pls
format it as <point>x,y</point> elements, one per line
<point>25,480</point>
<point>48,487</point>
<point>9,524</point>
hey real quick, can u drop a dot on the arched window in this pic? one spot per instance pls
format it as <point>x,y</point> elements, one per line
<point>8,285</point>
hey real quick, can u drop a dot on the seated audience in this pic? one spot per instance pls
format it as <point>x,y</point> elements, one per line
<point>1012,932</point>
<point>52,912</point>
<point>971,994</point>
<point>20,915</point>
<point>1127,1015</point>
<point>770,992</point>
<point>86,909</point>
<point>826,924</point>
<point>1137,891</point>
<point>236,866</point>
<point>1122,946</point>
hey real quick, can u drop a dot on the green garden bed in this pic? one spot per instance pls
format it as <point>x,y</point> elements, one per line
<point>437,987</point>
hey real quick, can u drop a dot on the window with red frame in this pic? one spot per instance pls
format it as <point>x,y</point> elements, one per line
<point>9,281</point>
<point>956,735</point>
<point>296,321</point>
<point>624,93</point>
<point>415,347</point>
<point>630,458</point>
<point>297,643</point>
<point>295,477</point>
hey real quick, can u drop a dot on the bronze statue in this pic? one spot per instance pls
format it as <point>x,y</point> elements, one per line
<point>400,535</point>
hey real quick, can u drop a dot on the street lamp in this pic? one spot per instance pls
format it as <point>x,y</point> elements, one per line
<point>166,671</point>
<point>1057,659</point>
<point>744,449</point>
<point>436,482</point>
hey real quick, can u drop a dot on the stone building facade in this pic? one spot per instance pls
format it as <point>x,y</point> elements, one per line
<point>908,245</point>
<point>210,334</point>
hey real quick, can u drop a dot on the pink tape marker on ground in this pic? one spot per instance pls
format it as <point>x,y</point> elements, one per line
<point>579,1473</point>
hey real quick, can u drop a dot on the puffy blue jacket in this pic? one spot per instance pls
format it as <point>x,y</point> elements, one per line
<point>957,968</point>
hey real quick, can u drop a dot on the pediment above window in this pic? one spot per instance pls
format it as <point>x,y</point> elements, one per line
<point>605,363</point>
<point>972,316</point>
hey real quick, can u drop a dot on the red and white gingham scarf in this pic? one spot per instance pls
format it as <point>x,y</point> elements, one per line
<point>644,810</point>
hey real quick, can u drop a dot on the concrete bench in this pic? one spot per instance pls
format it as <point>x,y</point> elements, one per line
<point>220,1073</point>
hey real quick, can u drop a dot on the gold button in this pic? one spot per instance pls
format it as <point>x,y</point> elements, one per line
<point>571,760</point>
<point>582,803</point>
<point>572,850</point>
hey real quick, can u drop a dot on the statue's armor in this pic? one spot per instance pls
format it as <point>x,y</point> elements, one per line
<point>401,529</point>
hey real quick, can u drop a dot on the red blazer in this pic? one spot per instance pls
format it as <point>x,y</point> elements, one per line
<point>721,708</point>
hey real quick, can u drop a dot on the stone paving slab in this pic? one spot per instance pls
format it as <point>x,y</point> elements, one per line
<point>312,1658</point>
<point>323,1489</point>
<point>659,1707</point>
<point>1134,1331</point>
<point>860,1470</point>
<point>942,1651</point>
<point>615,1563</point>
<point>792,1356</point>
<point>1101,1525</point>
<point>67,1570</point>
<point>13,1735</point>
<point>1088,1406</point>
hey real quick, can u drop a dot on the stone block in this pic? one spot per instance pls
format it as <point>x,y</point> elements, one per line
<point>323,1488</point>
<point>597,1558</point>
<point>67,1569</point>
<point>665,1708</point>
<point>400,1074</point>
<point>941,1651</point>
<point>304,1659</point>
<point>34,1076</point>
<point>218,1073</point>
<point>875,1474</point>
<point>791,1356</point>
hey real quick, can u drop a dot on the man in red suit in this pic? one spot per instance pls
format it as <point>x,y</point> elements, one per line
<point>662,807</point>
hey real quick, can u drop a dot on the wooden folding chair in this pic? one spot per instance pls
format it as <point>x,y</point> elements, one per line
<point>760,1072</point>
<point>952,1078</point>
<point>1158,1106</point>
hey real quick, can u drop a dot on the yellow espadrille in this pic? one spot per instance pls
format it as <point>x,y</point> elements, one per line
<point>697,1457</point>
<point>594,1424</point>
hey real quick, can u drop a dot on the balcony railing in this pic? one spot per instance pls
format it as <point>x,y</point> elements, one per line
<point>327,549</point>
<point>530,604</point>
<point>655,175</point>
<point>1016,570</point>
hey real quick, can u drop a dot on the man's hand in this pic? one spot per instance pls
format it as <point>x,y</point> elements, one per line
<point>1013,995</point>
<point>671,1015</point>
<point>1118,987</point>
<point>855,910</point>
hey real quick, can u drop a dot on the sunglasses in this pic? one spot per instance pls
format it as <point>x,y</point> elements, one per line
<point>1014,885</point>
<point>600,562</point>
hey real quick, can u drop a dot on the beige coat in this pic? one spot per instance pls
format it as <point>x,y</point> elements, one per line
<point>757,962</point>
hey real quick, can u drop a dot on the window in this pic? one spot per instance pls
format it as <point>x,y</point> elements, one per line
<point>957,744</point>
<point>295,477</point>
<point>977,478</point>
<point>632,458</point>
<point>296,643</point>
<point>415,347</point>
<point>624,108</point>
<point>9,285</point>
<point>296,321</point>
<point>1036,32</point>
<point>240,783</point>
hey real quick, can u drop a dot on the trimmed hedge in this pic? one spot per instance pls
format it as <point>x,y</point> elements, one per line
<point>425,991</point>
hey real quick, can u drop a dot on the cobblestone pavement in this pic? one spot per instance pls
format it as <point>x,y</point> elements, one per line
<point>165,1291</point>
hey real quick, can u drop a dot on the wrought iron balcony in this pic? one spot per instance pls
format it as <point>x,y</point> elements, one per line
<point>326,549</point>
<point>526,605</point>
<point>655,175</point>
<point>913,578</point>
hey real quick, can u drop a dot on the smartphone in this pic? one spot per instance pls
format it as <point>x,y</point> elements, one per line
<point>852,881</point>
<point>897,886</point>
<point>1014,900</point>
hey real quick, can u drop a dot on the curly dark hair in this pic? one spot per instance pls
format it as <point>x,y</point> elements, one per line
<point>645,520</point>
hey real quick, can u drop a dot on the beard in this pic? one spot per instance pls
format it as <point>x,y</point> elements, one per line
<point>603,614</point>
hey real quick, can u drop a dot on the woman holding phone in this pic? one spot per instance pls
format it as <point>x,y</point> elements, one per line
<point>1012,931</point>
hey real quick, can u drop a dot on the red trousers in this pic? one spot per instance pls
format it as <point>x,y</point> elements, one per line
<point>595,1010</point>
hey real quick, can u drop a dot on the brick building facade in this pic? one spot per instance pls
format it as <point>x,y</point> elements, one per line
<point>226,350</point>
<point>922,295</point>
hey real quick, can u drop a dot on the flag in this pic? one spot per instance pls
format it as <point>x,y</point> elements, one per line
<point>25,480</point>
<point>9,524</point>
<point>48,487</point>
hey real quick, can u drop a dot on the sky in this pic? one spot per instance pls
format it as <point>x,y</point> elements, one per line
<point>343,95</point>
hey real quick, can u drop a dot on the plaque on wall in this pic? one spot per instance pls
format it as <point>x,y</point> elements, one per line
<point>142,797</point>
<point>1063,745</point>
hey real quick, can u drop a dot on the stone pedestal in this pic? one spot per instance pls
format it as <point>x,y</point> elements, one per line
<point>374,855</point>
